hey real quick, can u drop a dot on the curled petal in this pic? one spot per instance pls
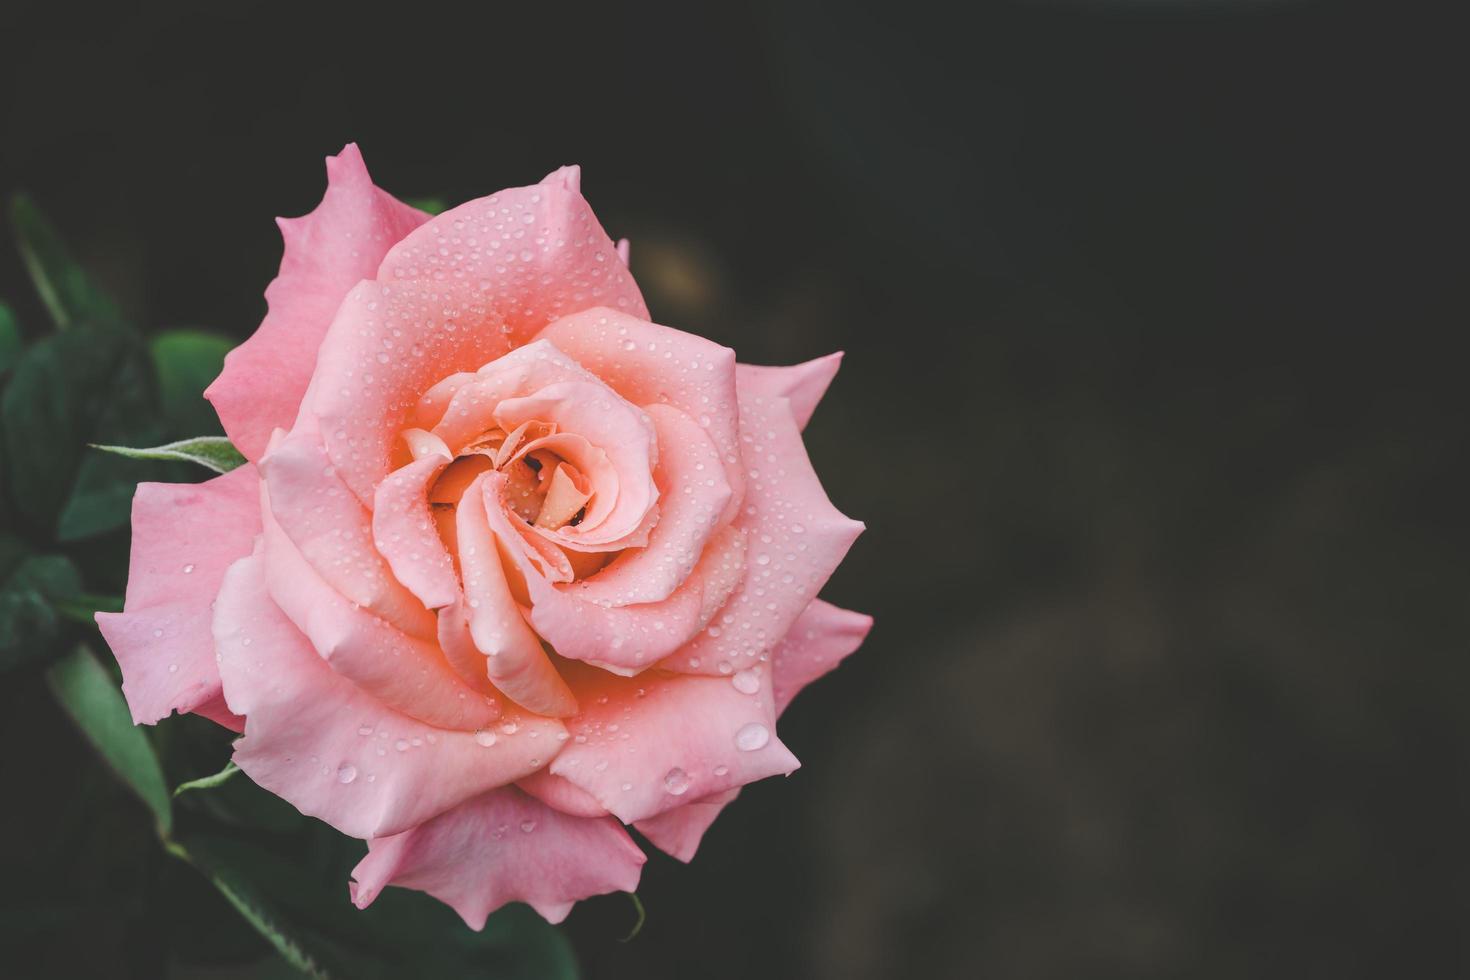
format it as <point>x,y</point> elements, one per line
<point>650,364</point>
<point>797,538</point>
<point>184,537</point>
<point>335,752</point>
<point>503,846</point>
<point>407,674</point>
<point>327,253</point>
<point>334,532</point>
<point>692,486</point>
<point>561,795</point>
<point>650,743</point>
<point>515,661</point>
<point>803,385</point>
<point>821,637</point>
<point>406,534</point>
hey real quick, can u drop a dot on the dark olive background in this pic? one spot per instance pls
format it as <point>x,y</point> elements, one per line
<point>1151,404</point>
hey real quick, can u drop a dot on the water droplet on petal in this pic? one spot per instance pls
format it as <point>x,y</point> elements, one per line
<point>676,782</point>
<point>746,681</point>
<point>752,736</point>
<point>346,772</point>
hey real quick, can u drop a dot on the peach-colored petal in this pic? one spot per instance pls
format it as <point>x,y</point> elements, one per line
<point>797,538</point>
<point>327,253</point>
<point>405,533</point>
<point>692,486</point>
<point>405,673</point>
<point>184,537</point>
<point>626,639</point>
<point>515,661</point>
<point>333,751</point>
<point>647,744</point>
<point>561,795</point>
<point>333,531</point>
<point>460,291</point>
<point>471,406</point>
<point>503,846</point>
<point>650,364</point>
<point>821,637</point>
<point>803,385</point>
<point>610,424</point>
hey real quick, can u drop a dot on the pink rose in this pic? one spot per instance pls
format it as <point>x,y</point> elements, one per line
<point>511,566</point>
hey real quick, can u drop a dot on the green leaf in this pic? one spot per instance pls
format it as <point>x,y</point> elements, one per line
<point>235,885</point>
<point>60,395</point>
<point>10,339</point>
<point>69,296</point>
<point>404,933</point>
<point>214,452</point>
<point>186,362</point>
<point>208,782</point>
<point>83,607</point>
<point>429,205</point>
<point>30,627</point>
<point>86,691</point>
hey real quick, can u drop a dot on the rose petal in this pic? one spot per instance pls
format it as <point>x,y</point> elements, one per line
<point>610,424</point>
<point>184,537</point>
<point>334,752</point>
<point>460,291</point>
<point>650,364</point>
<point>333,531</point>
<point>503,846</point>
<point>819,640</point>
<point>406,674</point>
<point>797,538</point>
<point>514,659</point>
<point>327,253</point>
<point>692,486</point>
<point>647,744</point>
<point>405,533</point>
<point>803,385</point>
<point>561,795</point>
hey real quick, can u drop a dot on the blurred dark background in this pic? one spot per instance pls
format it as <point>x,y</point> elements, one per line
<point>1153,407</point>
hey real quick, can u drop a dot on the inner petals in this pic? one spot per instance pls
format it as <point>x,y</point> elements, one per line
<point>566,496</point>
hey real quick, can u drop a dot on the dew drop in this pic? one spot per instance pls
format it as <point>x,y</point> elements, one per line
<point>485,738</point>
<point>752,736</point>
<point>346,772</point>
<point>676,782</point>
<point>746,681</point>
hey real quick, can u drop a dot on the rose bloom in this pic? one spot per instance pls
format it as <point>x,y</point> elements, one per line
<point>510,567</point>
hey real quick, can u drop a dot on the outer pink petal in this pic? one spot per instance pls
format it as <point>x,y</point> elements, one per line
<point>333,751</point>
<point>327,253</point>
<point>650,364</point>
<point>678,832</point>
<point>333,531</point>
<point>822,636</point>
<point>460,291</point>
<point>647,744</point>
<point>691,483</point>
<point>503,846</point>
<point>803,385</point>
<point>184,537</point>
<point>407,674</point>
<point>797,538</point>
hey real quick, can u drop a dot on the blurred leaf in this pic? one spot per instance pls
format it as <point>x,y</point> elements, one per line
<point>214,452</point>
<point>87,693</point>
<point>69,296</point>
<point>10,340</point>
<point>403,933</point>
<point>235,884</point>
<point>53,403</point>
<point>208,782</point>
<point>429,205</point>
<point>101,499</point>
<point>186,362</point>
<point>29,624</point>
<point>83,607</point>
